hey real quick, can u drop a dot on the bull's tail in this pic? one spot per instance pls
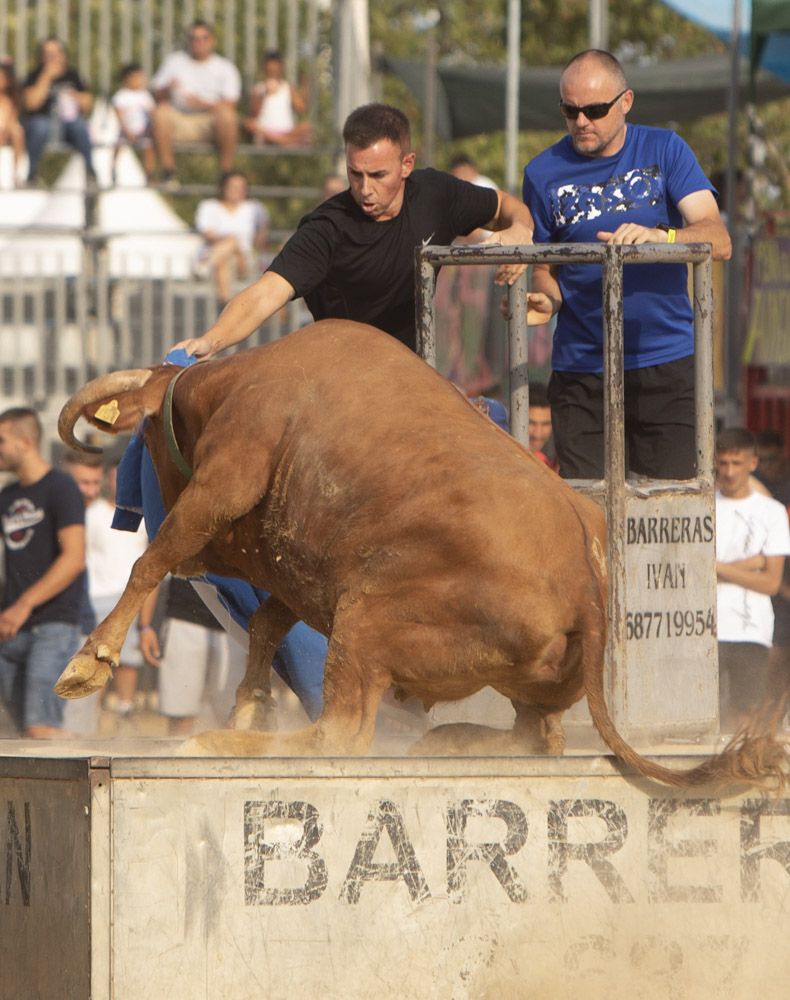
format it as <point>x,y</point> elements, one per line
<point>753,757</point>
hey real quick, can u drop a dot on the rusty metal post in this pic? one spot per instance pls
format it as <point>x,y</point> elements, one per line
<point>423,303</point>
<point>519,360</point>
<point>703,368</point>
<point>614,464</point>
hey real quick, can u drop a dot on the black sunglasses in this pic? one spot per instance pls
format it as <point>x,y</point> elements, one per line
<point>591,111</point>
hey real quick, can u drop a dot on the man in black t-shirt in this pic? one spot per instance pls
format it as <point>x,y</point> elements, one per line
<point>352,257</point>
<point>43,522</point>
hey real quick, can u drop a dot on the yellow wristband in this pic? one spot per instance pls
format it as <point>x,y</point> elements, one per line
<point>671,234</point>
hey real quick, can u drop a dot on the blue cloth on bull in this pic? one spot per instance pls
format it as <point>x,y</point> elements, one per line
<point>300,657</point>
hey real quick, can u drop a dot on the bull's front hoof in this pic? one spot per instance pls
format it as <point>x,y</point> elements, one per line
<point>84,674</point>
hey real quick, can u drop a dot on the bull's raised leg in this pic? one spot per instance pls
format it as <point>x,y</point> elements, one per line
<point>190,525</point>
<point>255,708</point>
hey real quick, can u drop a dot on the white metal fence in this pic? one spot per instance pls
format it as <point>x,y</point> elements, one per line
<point>62,325</point>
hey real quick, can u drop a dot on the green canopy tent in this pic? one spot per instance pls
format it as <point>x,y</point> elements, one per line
<point>470,99</point>
<point>769,17</point>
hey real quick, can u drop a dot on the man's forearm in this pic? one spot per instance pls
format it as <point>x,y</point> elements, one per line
<point>708,231</point>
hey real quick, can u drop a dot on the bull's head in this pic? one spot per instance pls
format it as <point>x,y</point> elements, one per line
<point>115,403</point>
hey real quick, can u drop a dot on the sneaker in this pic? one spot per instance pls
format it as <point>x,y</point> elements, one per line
<point>169,181</point>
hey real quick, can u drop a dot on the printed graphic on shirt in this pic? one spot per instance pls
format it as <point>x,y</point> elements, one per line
<point>19,522</point>
<point>642,187</point>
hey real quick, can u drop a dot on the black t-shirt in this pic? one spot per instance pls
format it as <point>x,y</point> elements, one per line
<point>31,517</point>
<point>348,266</point>
<point>70,79</point>
<point>184,603</point>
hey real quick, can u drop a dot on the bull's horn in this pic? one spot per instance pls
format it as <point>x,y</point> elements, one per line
<point>99,388</point>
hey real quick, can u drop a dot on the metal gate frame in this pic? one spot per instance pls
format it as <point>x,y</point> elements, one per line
<point>614,490</point>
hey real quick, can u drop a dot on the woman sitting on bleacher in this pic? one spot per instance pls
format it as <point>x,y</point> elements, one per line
<point>233,228</point>
<point>56,99</point>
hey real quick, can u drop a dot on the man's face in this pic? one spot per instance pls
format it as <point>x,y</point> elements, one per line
<point>539,427</point>
<point>88,480</point>
<point>12,448</point>
<point>733,469</point>
<point>201,43</point>
<point>377,176</point>
<point>586,82</point>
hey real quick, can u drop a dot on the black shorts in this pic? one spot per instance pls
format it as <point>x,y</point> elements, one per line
<point>660,439</point>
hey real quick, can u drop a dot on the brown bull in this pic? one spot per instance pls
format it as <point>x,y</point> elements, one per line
<point>336,470</point>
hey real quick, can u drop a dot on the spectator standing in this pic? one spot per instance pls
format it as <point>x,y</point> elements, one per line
<point>199,664</point>
<point>196,94</point>
<point>275,106</point>
<point>134,105</point>
<point>110,556</point>
<point>611,181</point>
<point>55,99</point>
<point>352,257</point>
<point>11,132</point>
<point>752,540</point>
<point>43,521</point>
<point>234,230</point>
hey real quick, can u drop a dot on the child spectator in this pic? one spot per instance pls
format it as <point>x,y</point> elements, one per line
<point>274,105</point>
<point>11,131</point>
<point>233,228</point>
<point>134,104</point>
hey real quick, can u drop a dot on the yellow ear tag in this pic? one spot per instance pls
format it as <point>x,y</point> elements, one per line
<point>108,412</point>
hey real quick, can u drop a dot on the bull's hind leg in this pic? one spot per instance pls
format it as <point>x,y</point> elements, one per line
<point>255,707</point>
<point>353,687</point>
<point>539,729</point>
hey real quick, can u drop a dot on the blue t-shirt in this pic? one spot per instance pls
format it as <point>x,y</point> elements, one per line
<point>572,197</point>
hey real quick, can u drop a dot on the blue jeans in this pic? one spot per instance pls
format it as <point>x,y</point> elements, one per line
<point>38,132</point>
<point>30,663</point>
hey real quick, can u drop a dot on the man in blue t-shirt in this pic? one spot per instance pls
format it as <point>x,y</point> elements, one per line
<point>619,183</point>
<point>43,523</point>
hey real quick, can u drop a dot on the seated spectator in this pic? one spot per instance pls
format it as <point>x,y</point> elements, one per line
<point>196,94</point>
<point>56,103</point>
<point>274,106</point>
<point>134,105</point>
<point>11,132</point>
<point>233,228</point>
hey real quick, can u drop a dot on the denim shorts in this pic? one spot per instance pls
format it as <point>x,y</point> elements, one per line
<point>30,664</point>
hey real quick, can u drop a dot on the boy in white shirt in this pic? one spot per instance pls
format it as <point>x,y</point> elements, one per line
<point>134,105</point>
<point>752,540</point>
